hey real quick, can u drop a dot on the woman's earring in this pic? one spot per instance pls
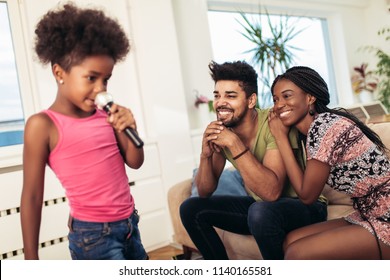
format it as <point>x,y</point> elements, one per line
<point>61,82</point>
<point>311,112</point>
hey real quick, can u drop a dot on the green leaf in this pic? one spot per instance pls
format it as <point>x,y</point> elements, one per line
<point>273,53</point>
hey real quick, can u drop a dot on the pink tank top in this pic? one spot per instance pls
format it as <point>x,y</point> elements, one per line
<point>88,163</point>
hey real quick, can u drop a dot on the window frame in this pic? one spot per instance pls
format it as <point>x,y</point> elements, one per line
<point>338,63</point>
<point>13,155</point>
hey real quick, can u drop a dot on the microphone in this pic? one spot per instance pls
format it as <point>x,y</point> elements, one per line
<point>104,102</point>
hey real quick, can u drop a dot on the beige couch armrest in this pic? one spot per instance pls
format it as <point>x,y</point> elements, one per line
<point>383,131</point>
<point>176,195</point>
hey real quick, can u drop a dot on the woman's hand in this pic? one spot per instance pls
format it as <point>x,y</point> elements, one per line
<point>277,128</point>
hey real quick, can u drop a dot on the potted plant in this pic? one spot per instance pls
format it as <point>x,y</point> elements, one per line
<point>364,82</point>
<point>383,69</point>
<point>201,99</point>
<point>205,108</point>
<point>273,54</point>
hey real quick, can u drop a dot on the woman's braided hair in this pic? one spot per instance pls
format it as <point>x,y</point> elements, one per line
<point>312,83</point>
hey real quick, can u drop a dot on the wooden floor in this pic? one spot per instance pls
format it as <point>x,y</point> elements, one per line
<point>165,253</point>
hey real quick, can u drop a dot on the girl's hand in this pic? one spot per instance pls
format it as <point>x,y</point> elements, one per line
<point>277,128</point>
<point>121,117</point>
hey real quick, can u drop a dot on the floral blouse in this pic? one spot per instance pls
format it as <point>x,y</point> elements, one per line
<point>358,168</point>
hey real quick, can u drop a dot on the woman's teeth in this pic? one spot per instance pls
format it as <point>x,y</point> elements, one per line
<point>284,114</point>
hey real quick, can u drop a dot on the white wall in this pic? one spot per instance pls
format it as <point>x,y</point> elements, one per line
<point>195,52</point>
<point>170,52</point>
<point>377,16</point>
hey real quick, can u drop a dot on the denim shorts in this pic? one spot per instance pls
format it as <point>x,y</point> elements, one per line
<point>118,240</point>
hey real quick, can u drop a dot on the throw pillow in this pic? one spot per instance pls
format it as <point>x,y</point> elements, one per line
<point>230,183</point>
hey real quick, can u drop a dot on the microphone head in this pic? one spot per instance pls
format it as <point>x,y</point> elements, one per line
<point>102,99</point>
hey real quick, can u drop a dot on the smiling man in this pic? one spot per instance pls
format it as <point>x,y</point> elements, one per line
<point>241,135</point>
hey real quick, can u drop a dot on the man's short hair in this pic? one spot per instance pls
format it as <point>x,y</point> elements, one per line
<point>235,71</point>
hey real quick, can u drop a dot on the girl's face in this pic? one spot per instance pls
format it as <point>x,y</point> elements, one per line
<point>292,104</point>
<point>83,82</point>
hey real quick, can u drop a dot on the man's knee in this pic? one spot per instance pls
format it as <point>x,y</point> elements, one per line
<point>260,212</point>
<point>190,208</point>
<point>263,215</point>
<point>186,208</point>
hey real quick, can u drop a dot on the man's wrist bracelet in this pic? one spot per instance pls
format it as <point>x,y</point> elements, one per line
<point>240,154</point>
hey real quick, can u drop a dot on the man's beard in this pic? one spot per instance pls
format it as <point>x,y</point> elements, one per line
<point>235,121</point>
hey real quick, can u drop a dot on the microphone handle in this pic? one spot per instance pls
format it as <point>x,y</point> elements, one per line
<point>132,134</point>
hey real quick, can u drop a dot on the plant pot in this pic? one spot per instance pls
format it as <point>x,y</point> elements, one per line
<point>366,97</point>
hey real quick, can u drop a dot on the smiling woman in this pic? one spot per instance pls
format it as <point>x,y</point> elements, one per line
<point>11,110</point>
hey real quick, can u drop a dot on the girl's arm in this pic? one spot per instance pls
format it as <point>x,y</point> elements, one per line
<point>120,118</point>
<point>133,156</point>
<point>35,155</point>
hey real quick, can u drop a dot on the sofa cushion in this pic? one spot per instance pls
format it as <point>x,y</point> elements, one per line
<point>230,183</point>
<point>246,250</point>
<point>335,197</point>
<point>338,211</point>
<point>383,131</point>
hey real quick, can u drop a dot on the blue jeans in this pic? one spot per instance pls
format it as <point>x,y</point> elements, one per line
<point>118,240</point>
<point>268,222</point>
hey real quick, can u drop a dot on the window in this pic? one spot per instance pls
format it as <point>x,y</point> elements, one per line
<point>229,44</point>
<point>11,110</point>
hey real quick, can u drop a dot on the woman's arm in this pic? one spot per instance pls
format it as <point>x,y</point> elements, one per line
<point>308,184</point>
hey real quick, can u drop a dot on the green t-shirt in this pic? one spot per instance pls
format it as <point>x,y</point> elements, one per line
<point>266,141</point>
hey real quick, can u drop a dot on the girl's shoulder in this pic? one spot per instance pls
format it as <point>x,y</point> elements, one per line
<point>39,127</point>
<point>38,134</point>
<point>39,120</point>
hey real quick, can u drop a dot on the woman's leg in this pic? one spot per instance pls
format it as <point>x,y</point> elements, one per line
<point>311,230</point>
<point>335,239</point>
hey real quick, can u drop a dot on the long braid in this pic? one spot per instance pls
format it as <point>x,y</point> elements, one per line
<point>312,83</point>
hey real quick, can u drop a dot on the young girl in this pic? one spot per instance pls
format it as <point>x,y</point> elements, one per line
<point>85,148</point>
<point>342,152</point>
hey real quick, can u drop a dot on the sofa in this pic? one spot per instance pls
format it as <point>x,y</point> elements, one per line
<point>244,247</point>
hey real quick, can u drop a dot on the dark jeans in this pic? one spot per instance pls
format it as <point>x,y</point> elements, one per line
<point>269,222</point>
